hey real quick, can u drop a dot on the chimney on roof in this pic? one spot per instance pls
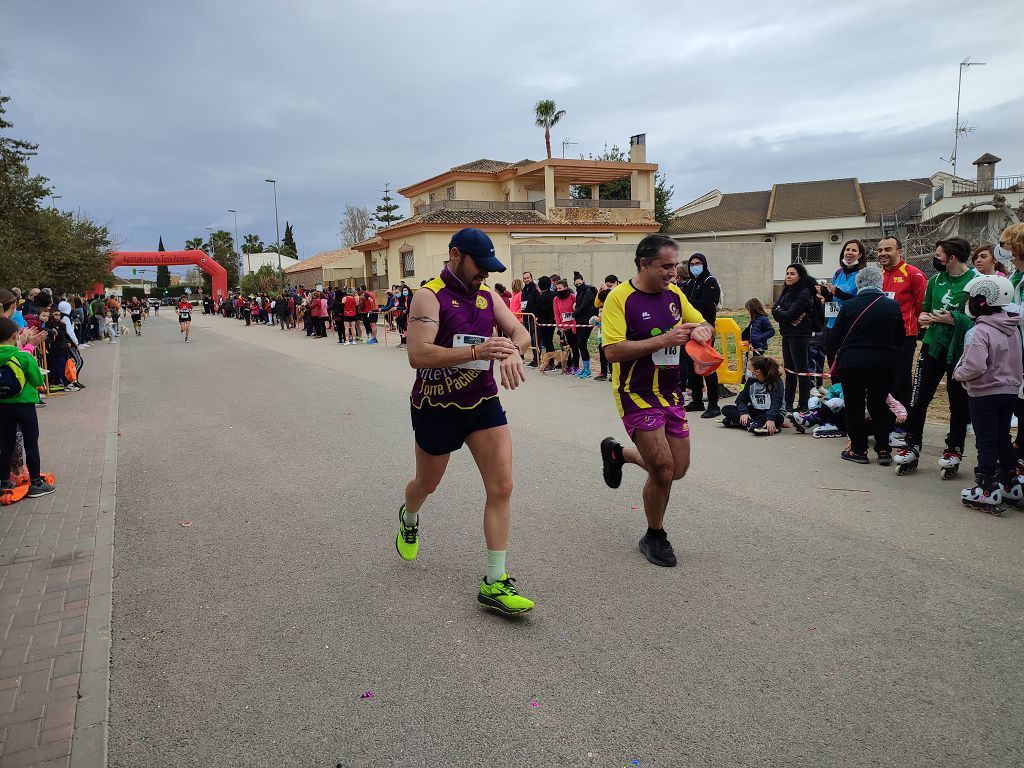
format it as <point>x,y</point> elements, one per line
<point>638,148</point>
<point>986,170</point>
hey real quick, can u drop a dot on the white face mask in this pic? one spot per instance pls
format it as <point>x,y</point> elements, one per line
<point>1003,254</point>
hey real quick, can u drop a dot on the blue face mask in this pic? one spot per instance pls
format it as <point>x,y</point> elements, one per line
<point>696,270</point>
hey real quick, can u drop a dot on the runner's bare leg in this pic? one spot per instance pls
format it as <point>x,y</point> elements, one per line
<point>429,471</point>
<point>666,459</point>
<point>492,451</point>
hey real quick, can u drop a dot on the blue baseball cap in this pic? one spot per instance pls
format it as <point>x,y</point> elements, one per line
<point>478,246</point>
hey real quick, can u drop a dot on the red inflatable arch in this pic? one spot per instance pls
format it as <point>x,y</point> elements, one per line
<point>218,275</point>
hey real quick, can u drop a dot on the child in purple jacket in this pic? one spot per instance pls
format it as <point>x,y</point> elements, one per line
<point>990,370</point>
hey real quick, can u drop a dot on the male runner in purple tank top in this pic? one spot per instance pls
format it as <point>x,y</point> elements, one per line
<point>453,347</point>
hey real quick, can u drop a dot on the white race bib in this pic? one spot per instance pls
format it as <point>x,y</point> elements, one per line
<point>890,295</point>
<point>831,309</point>
<point>666,357</point>
<point>468,340</point>
<point>761,401</point>
<point>567,317</point>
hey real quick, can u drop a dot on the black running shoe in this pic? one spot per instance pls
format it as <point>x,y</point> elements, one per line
<point>611,457</point>
<point>656,547</point>
<point>713,412</point>
<point>694,406</point>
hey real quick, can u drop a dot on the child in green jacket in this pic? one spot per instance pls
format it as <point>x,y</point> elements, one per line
<point>19,378</point>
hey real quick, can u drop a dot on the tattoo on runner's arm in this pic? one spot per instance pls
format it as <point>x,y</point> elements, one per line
<point>423,319</point>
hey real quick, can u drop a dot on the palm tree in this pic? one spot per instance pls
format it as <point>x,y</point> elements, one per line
<point>547,115</point>
<point>252,244</point>
<point>195,244</point>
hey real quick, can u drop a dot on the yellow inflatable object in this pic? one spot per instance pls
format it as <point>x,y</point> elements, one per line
<point>731,369</point>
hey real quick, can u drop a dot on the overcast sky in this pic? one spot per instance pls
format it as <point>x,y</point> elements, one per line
<point>158,117</point>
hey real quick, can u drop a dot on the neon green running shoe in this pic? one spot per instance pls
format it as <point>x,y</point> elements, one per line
<point>408,540</point>
<point>502,596</point>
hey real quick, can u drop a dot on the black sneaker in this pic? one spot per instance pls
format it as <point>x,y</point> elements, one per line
<point>884,458</point>
<point>656,548</point>
<point>532,365</point>
<point>39,487</point>
<point>611,457</point>
<point>713,412</point>
<point>694,406</point>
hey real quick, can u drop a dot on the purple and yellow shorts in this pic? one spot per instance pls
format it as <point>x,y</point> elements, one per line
<point>672,418</point>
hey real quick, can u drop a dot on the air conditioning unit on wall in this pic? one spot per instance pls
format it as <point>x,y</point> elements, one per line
<point>835,238</point>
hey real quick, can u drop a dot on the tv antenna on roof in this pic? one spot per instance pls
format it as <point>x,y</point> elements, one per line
<point>567,143</point>
<point>960,129</point>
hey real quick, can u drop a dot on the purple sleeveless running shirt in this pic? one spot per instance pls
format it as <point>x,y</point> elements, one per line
<point>463,311</point>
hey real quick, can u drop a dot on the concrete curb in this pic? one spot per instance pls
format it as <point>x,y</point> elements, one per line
<point>92,716</point>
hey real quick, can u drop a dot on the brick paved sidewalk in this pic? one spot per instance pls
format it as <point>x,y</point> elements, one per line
<point>54,554</point>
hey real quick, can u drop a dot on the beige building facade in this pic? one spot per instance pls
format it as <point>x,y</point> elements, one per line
<point>523,203</point>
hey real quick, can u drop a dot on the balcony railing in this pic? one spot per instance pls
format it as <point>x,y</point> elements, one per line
<point>537,205</point>
<point>475,205</point>
<point>997,184</point>
<point>586,202</point>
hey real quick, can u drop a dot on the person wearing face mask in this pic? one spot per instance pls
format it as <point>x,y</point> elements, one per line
<point>704,294</point>
<point>906,285</point>
<point>563,305</point>
<point>402,301</point>
<point>583,310</point>
<point>853,257</point>
<point>1011,251</point>
<point>943,315</point>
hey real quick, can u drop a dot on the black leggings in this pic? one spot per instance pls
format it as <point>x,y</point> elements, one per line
<point>570,344</point>
<point>583,341</point>
<point>758,418</point>
<point>402,320</point>
<point>926,380</point>
<point>794,358</point>
<point>547,339</point>
<point>13,416</point>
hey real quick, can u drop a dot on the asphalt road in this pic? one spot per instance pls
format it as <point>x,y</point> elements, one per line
<point>822,614</point>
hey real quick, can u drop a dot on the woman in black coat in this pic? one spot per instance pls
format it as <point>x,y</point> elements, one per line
<point>865,343</point>
<point>794,311</point>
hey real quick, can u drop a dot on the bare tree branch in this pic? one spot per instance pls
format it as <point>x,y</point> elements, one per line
<point>356,225</point>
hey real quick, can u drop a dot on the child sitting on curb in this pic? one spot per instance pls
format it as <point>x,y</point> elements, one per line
<point>19,378</point>
<point>759,406</point>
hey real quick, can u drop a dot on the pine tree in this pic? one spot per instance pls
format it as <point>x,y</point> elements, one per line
<point>163,273</point>
<point>288,247</point>
<point>386,213</point>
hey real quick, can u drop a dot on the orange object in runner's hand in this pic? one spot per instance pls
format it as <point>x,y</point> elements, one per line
<point>705,357</point>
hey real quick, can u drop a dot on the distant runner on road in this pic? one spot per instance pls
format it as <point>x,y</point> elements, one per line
<point>455,399</point>
<point>185,315</point>
<point>645,323</point>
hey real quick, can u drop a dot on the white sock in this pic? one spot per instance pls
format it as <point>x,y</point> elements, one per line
<point>495,565</point>
<point>411,519</point>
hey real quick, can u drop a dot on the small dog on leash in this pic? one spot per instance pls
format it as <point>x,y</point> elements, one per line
<point>560,356</point>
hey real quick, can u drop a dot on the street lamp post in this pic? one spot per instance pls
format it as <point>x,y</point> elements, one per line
<point>237,244</point>
<point>54,199</point>
<point>277,226</point>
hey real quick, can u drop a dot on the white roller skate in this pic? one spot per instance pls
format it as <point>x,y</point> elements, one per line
<point>987,496</point>
<point>898,439</point>
<point>828,430</point>
<point>906,459</point>
<point>1013,492</point>
<point>949,464</point>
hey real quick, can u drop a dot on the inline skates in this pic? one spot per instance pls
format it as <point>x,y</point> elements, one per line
<point>906,459</point>
<point>987,496</point>
<point>949,464</point>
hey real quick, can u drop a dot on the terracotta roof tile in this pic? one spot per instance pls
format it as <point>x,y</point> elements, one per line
<point>736,211</point>
<point>887,196</point>
<point>318,260</point>
<point>488,166</point>
<point>816,200</point>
